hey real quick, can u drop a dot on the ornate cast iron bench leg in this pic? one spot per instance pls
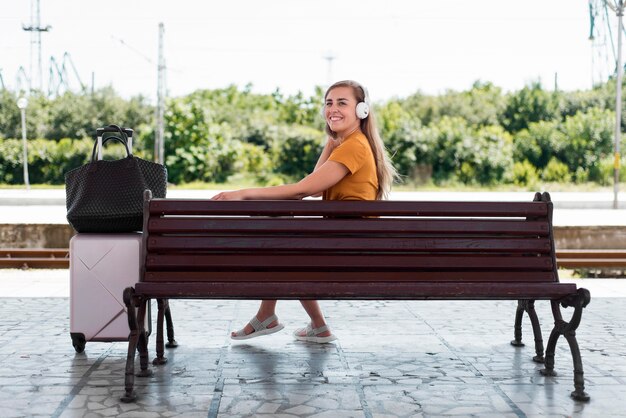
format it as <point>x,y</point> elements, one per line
<point>568,329</point>
<point>129,378</point>
<point>528,306</point>
<point>142,344</point>
<point>164,313</point>
<point>137,341</point>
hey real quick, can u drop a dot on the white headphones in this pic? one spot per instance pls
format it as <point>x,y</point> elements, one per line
<point>362,108</point>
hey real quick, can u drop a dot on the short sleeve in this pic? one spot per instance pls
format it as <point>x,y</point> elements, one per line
<point>352,154</point>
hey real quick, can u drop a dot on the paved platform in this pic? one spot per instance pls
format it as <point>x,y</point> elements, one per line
<point>392,359</point>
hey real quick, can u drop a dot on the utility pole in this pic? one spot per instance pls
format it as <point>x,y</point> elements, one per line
<point>35,30</point>
<point>618,8</point>
<point>330,57</point>
<point>556,82</point>
<point>22,104</point>
<point>159,144</point>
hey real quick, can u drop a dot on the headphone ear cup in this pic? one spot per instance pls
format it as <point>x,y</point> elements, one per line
<point>362,110</point>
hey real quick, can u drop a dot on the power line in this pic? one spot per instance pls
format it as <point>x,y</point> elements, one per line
<point>135,50</point>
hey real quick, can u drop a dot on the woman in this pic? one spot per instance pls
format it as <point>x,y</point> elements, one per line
<point>352,166</point>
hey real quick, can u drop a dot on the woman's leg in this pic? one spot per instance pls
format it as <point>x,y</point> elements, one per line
<point>312,307</point>
<point>267,309</point>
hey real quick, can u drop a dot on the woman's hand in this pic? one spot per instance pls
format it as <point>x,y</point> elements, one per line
<point>332,143</point>
<point>234,195</point>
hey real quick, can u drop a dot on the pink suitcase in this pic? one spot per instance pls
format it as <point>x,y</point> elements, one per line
<point>101,267</point>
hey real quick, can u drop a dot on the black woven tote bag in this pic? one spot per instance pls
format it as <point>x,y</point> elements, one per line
<point>107,196</point>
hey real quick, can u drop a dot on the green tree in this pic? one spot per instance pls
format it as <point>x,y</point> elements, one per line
<point>528,105</point>
<point>479,106</point>
<point>590,138</point>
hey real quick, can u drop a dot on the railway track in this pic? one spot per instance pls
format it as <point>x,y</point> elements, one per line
<point>58,258</point>
<point>591,258</point>
<point>43,258</point>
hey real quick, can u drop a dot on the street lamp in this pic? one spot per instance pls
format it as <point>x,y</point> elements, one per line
<point>22,103</point>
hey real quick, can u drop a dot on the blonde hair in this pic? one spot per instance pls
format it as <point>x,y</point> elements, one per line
<point>385,171</point>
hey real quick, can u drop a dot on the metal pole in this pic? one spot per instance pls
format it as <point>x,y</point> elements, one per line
<point>159,143</point>
<point>24,149</point>
<point>38,35</point>
<point>618,105</point>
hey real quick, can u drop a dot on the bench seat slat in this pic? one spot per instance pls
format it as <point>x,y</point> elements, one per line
<point>346,208</point>
<point>349,276</point>
<point>320,226</point>
<point>334,262</point>
<point>280,243</point>
<point>332,290</point>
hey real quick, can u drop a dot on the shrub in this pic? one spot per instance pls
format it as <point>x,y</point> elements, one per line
<point>556,171</point>
<point>296,150</point>
<point>524,174</point>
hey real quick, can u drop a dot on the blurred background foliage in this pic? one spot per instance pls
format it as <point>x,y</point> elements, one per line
<point>482,136</point>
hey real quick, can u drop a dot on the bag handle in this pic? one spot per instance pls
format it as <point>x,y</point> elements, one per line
<point>122,139</point>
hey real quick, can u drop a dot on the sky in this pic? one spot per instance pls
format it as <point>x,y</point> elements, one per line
<point>393,47</point>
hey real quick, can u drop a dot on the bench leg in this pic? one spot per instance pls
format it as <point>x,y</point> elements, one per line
<point>164,313</point>
<point>129,378</point>
<point>528,305</point>
<point>568,330</point>
<point>142,343</point>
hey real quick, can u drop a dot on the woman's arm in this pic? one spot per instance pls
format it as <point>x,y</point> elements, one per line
<point>327,175</point>
<point>329,146</point>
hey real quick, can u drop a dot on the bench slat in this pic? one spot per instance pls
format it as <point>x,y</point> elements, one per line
<point>400,290</point>
<point>280,243</point>
<point>334,262</point>
<point>346,208</point>
<point>349,276</point>
<point>317,225</point>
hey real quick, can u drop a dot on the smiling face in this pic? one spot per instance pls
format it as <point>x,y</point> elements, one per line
<point>340,111</point>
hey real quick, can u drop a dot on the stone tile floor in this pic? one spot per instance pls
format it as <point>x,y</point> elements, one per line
<point>393,359</point>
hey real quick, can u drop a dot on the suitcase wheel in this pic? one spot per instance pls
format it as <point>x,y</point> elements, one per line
<point>78,341</point>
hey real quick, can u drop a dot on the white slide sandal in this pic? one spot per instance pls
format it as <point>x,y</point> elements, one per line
<point>260,329</point>
<point>312,334</point>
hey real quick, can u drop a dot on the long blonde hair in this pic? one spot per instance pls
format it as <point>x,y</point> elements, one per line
<point>385,171</point>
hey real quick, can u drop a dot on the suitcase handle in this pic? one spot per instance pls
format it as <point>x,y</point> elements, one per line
<point>125,133</point>
<point>117,138</point>
<point>113,128</point>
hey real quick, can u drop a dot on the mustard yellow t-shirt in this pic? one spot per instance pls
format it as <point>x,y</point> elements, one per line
<point>362,182</point>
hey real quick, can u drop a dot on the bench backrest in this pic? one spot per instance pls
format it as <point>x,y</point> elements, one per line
<point>348,241</point>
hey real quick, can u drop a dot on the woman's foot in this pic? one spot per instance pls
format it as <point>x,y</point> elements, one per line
<point>256,328</point>
<point>320,335</point>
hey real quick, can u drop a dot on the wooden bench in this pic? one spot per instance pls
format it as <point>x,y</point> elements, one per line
<point>367,250</point>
